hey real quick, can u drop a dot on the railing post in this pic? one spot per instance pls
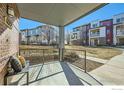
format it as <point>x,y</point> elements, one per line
<point>85,62</point>
<point>43,55</point>
<point>59,54</point>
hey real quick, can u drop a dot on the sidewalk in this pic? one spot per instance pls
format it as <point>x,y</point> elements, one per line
<point>112,73</point>
<point>95,59</point>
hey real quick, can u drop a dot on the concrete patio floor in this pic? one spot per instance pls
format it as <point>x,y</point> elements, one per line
<point>54,73</point>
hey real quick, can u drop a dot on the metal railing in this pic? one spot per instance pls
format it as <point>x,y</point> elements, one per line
<point>95,34</point>
<point>76,57</point>
<point>120,32</point>
<point>37,56</point>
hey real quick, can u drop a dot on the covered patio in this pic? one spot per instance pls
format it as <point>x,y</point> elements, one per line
<point>55,73</point>
<point>58,72</point>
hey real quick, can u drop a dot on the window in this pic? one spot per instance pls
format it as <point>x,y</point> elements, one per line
<point>108,32</point>
<point>78,29</point>
<point>118,20</point>
<point>101,24</point>
<point>31,32</point>
<point>23,33</point>
<point>75,29</point>
<point>98,32</point>
<point>94,25</point>
<point>28,32</point>
<point>108,24</point>
<point>122,19</point>
<point>118,27</point>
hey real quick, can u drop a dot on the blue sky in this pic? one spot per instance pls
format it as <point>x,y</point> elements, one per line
<point>104,13</point>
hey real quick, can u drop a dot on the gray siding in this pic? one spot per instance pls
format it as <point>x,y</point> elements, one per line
<point>102,41</point>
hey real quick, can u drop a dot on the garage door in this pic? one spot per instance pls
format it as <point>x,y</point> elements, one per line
<point>121,40</point>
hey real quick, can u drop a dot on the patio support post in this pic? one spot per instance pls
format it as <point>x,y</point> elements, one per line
<point>89,38</point>
<point>61,43</point>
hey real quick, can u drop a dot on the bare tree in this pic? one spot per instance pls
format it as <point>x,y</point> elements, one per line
<point>68,37</point>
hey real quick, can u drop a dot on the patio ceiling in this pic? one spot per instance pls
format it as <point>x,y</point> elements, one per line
<point>58,14</point>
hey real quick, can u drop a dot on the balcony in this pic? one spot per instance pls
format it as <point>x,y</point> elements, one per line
<point>120,33</point>
<point>94,35</point>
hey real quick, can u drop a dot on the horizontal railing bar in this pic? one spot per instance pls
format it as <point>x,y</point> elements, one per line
<point>54,49</point>
<point>38,49</point>
<point>76,49</point>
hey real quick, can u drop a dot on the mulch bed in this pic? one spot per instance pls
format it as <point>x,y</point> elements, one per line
<point>39,59</point>
<point>90,65</point>
<point>80,62</point>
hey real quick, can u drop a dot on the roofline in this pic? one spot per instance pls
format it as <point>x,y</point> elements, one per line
<point>82,25</point>
<point>96,28</point>
<point>29,29</point>
<point>90,23</point>
<point>118,14</point>
<point>23,29</point>
<point>98,7</point>
<point>36,27</point>
<point>106,20</point>
<point>118,24</point>
<point>101,20</point>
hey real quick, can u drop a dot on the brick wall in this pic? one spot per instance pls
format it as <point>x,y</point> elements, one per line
<point>9,36</point>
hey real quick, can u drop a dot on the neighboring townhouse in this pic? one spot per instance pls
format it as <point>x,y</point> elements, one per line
<point>75,37</point>
<point>23,36</point>
<point>105,32</point>
<point>49,34</point>
<point>97,34</point>
<point>118,29</point>
<point>80,35</point>
<point>44,34</point>
<point>101,32</point>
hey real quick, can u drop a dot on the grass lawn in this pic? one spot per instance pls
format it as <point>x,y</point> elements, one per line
<point>99,52</point>
<point>34,47</point>
<point>91,65</point>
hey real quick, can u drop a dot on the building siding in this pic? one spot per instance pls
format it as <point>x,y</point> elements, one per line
<point>109,30</point>
<point>44,34</point>
<point>82,35</point>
